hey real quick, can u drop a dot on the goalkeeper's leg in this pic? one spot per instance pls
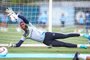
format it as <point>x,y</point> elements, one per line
<point>57,43</point>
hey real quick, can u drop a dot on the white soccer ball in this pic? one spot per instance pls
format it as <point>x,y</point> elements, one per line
<point>3,51</point>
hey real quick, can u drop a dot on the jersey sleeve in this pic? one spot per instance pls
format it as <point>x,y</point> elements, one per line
<point>20,42</point>
<point>23,38</point>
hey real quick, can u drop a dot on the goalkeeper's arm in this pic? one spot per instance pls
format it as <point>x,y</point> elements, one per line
<point>18,44</point>
<point>12,14</point>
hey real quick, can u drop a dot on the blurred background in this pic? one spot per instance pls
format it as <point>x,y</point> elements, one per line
<point>64,13</point>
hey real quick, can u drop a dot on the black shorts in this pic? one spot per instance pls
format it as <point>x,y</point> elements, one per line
<point>48,38</point>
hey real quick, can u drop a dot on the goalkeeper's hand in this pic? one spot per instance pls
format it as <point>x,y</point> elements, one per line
<point>11,45</point>
<point>11,14</point>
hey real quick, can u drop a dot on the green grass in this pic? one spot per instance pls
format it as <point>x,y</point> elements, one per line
<point>13,36</point>
<point>47,50</point>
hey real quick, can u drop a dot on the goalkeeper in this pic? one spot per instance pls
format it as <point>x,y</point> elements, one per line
<point>48,38</point>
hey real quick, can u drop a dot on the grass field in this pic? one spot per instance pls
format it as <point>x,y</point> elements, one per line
<point>13,36</point>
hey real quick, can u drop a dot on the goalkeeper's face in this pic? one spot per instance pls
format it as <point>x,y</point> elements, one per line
<point>23,25</point>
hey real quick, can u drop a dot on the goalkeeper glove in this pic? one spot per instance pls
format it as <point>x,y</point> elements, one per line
<point>12,14</point>
<point>11,45</point>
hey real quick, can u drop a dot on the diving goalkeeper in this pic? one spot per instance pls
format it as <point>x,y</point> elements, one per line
<point>48,38</point>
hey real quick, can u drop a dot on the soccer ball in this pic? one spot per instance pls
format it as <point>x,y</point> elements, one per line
<point>3,51</point>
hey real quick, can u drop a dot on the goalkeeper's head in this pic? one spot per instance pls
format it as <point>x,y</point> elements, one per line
<point>23,25</point>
